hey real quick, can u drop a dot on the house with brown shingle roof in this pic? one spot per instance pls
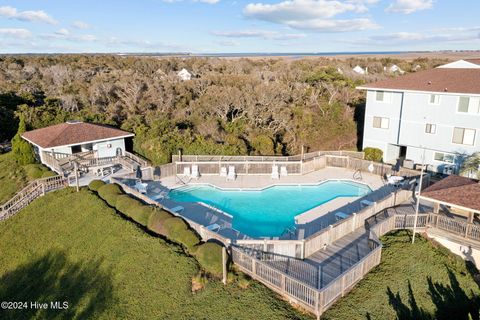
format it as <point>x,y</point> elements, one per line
<point>460,194</point>
<point>73,137</point>
<point>432,114</point>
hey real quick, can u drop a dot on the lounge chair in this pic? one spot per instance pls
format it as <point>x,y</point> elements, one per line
<point>141,187</point>
<point>283,171</point>
<point>366,203</point>
<point>186,171</point>
<point>161,196</point>
<point>223,172</point>
<point>195,173</point>
<point>275,174</point>
<point>214,227</point>
<point>340,215</point>
<point>231,173</point>
<point>177,209</point>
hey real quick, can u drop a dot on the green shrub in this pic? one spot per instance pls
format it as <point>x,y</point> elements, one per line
<point>156,221</point>
<point>109,193</point>
<point>94,185</point>
<point>142,214</point>
<point>134,209</point>
<point>21,149</point>
<point>209,256</point>
<point>177,230</point>
<point>126,204</point>
<point>373,154</point>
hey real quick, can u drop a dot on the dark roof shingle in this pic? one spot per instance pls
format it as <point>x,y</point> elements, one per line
<point>451,80</point>
<point>72,133</point>
<point>456,190</point>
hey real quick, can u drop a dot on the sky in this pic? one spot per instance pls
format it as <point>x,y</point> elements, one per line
<point>233,26</point>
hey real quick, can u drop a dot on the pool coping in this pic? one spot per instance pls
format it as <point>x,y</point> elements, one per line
<point>268,186</point>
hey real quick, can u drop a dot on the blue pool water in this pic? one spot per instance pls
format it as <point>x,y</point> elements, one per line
<point>269,212</point>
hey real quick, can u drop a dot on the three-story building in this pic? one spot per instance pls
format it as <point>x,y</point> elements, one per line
<point>434,112</point>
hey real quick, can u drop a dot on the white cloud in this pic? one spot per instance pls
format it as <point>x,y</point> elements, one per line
<point>259,34</point>
<point>334,25</point>
<point>80,25</point>
<point>207,1</point>
<point>62,32</point>
<point>32,16</point>
<point>409,6</point>
<point>15,32</point>
<point>228,43</point>
<point>314,15</point>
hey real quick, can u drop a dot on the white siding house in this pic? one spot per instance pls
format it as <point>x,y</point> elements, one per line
<point>73,137</point>
<point>435,111</point>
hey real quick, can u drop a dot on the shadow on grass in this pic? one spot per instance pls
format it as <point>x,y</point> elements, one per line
<point>451,302</point>
<point>52,277</point>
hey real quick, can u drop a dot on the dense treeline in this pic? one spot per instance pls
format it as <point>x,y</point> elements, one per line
<point>231,106</point>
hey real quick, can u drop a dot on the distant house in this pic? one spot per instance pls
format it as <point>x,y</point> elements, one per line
<point>359,70</point>
<point>467,63</point>
<point>395,69</point>
<point>74,137</point>
<point>435,110</point>
<point>416,67</point>
<point>184,75</point>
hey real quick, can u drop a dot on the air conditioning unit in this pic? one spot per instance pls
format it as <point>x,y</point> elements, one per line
<point>449,170</point>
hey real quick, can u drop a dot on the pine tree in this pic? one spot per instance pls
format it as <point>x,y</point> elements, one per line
<point>21,149</point>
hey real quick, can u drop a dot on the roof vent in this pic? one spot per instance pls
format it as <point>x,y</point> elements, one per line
<point>446,89</point>
<point>74,121</point>
<point>429,82</point>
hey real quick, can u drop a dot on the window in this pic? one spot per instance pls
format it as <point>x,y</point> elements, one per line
<point>382,123</point>
<point>463,136</point>
<point>444,157</point>
<point>382,96</point>
<point>434,99</point>
<point>76,149</point>
<point>430,128</point>
<point>469,105</point>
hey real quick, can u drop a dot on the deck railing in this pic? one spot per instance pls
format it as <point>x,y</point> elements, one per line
<point>457,227</point>
<point>343,227</point>
<point>298,157</point>
<point>310,297</point>
<point>31,192</point>
<point>295,165</point>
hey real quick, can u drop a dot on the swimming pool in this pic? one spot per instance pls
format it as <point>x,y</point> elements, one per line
<point>267,213</point>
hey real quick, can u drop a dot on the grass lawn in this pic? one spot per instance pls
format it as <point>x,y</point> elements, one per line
<point>72,247</point>
<point>420,281</point>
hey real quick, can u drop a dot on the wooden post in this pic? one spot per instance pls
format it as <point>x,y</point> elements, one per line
<point>224,265</point>
<point>354,220</point>
<point>76,175</point>
<point>43,189</point>
<point>436,207</point>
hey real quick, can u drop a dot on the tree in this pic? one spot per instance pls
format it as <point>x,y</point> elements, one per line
<point>21,149</point>
<point>471,166</point>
